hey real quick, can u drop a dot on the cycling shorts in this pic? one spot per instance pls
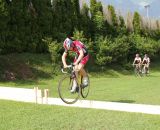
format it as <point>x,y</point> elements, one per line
<point>84,60</point>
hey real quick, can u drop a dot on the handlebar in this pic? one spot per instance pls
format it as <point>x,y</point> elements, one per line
<point>135,64</point>
<point>139,64</point>
<point>69,67</point>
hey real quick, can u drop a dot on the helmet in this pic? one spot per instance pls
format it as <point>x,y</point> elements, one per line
<point>67,43</point>
<point>137,55</point>
<point>146,55</point>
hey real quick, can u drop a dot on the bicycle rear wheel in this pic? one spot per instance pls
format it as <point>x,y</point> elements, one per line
<point>64,87</point>
<point>85,90</point>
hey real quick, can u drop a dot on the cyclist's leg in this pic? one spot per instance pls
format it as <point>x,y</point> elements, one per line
<point>147,67</point>
<point>85,79</point>
<point>75,85</point>
<point>80,66</point>
<point>83,74</point>
<point>139,67</point>
<point>144,67</point>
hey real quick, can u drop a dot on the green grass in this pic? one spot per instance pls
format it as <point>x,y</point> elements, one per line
<point>127,89</point>
<point>26,116</point>
<point>116,85</point>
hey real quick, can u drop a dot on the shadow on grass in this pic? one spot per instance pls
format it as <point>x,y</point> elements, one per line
<point>124,101</point>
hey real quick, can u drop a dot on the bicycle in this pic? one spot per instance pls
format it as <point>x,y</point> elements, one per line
<point>65,85</point>
<point>137,70</point>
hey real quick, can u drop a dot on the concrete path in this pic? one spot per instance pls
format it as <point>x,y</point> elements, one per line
<point>127,107</point>
<point>35,96</point>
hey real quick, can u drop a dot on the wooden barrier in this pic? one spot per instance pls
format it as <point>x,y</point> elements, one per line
<point>46,95</point>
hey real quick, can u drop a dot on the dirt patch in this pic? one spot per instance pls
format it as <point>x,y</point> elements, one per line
<point>9,75</point>
<point>23,71</point>
<point>18,71</point>
<point>12,69</point>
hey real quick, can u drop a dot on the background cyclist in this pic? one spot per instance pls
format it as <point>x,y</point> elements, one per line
<point>137,61</point>
<point>146,62</point>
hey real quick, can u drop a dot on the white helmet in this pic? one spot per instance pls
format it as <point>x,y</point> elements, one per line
<point>67,43</point>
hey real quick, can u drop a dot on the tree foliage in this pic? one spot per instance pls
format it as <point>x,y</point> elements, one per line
<point>40,26</point>
<point>137,23</point>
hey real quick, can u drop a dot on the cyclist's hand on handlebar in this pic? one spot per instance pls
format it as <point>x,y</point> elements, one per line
<point>65,66</point>
<point>75,64</point>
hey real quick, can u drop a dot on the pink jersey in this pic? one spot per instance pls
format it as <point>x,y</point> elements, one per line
<point>77,46</point>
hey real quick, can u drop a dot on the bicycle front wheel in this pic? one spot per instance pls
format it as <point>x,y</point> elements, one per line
<point>136,71</point>
<point>64,87</point>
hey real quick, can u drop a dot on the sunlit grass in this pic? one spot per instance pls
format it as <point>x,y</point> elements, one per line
<point>111,84</point>
<point>26,116</point>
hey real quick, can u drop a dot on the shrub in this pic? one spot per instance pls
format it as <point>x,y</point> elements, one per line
<point>109,51</point>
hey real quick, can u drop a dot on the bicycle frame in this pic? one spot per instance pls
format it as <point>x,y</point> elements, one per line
<point>73,73</point>
<point>137,69</point>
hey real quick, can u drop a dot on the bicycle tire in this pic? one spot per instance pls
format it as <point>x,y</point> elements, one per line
<point>136,72</point>
<point>85,90</point>
<point>145,70</point>
<point>64,88</point>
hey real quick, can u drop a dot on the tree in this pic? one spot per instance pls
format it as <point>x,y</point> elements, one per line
<point>98,23</point>
<point>76,14</point>
<point>85,20</point>
<point>111,21</point>
<point>121,28</point>
<point>137,23</point>
<point>96,17</point>
<point>4,16</point>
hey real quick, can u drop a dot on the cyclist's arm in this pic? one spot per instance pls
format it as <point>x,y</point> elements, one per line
<point>64,59</point>
<point>134,61</point>
<point>140,61</point>
<point>148,60</point>
<point>81,54</point>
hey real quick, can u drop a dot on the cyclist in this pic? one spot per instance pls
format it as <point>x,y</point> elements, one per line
<point>146,62</point>
<point>80,60</point>
<point>137,61</point>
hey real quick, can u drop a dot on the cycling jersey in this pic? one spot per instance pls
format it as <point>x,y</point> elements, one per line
<point>146,60</point>
<point>76,47</point>
<point>137,60</point>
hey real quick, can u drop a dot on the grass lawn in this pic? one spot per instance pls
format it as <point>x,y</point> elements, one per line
<point>116,85</point>
<point>26,116</point>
